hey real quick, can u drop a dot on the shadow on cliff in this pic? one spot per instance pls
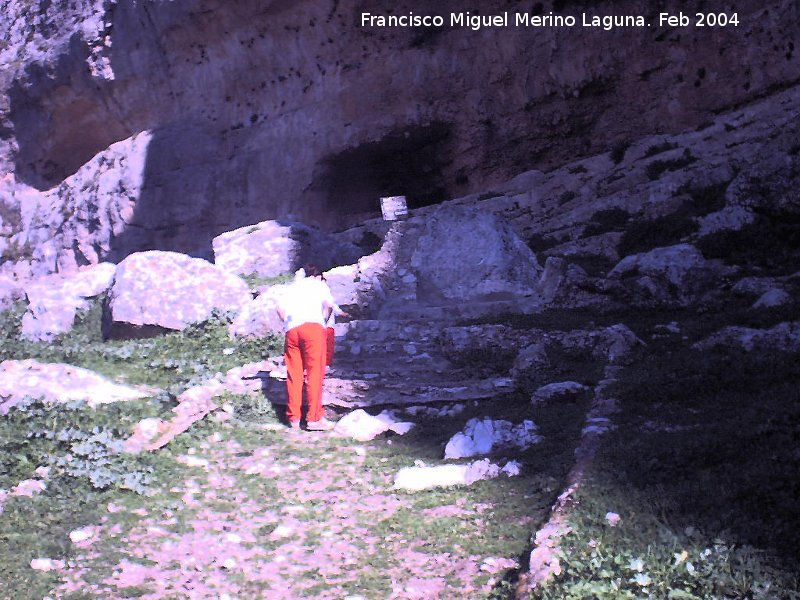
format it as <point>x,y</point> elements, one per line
<point>62,117</point>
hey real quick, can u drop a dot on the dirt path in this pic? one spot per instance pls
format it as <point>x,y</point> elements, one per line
<point>260,511</point>
<point>300,516</point>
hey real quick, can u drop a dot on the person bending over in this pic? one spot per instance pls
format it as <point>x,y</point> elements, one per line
<point>304,309</point>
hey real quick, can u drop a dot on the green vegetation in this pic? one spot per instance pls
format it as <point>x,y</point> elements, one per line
<point>701,468</point>
<point>646,557</point>
<point>771,244</point>
<point>645,234</point>
<point>173,361</point>
<point>659,148</point>
<point>567,196</point>
<point>641,235</point>
<point>618,151</point>
<point>657,168</point>
<point>604,221</point>
<point>255,281</point>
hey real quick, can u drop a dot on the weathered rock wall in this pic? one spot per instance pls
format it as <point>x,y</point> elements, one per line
<point>260,110</point>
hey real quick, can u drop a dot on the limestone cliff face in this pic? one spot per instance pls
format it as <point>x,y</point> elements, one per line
<point>261,109</point>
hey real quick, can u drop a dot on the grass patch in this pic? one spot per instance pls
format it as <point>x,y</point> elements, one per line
<point>641,235</point>
<point>567,196</point>
<point>540,243</point>
<point>78,441</point>
<point>702,470</point>
<point>173,361</point>
<point>618,151</point>
<point>645,557</point>
<point>770,244</point>
<point>644,235</point>
<point>657,168</point>
<point>705,199</point>
<point>729,424</point>
<point>659,148</point>
<point>604,221</point>
<point>255,281</point>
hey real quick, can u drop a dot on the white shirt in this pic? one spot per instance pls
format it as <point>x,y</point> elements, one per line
<point>305,301</point>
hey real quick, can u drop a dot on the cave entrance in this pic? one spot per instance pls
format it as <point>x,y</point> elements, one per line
<point>410,162</point>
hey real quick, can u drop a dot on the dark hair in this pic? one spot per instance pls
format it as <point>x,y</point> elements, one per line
<point>312,270</point>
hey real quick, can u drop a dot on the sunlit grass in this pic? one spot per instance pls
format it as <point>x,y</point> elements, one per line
<point>730,460</point>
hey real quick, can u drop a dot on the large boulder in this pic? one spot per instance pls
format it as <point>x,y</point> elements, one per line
<point>467,254</point>
<point>784,337</point>
<point>83,220</point>
<point>272,248</point>
<point>259,317</point>
<point>669,274</point>
<point>614,343</point>
<point>346,284</point>
<point>54,300</point>
<point>158,290</point>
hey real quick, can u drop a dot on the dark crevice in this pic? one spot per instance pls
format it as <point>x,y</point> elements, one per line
<point>409,162</point>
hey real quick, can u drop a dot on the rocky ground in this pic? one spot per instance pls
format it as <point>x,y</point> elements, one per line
<point>638,308</point>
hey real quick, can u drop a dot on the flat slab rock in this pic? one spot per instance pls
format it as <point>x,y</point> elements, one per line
<point>58,383</point>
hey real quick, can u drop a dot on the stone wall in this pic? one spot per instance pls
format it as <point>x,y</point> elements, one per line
<point>275,109</point>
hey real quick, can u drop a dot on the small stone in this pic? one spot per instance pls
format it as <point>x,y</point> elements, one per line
<point>81,535</point>
<point>282,531</point>
<point>46,564</point>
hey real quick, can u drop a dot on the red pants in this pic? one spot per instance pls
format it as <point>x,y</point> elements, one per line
<point>330,336</point>
<point>305,350</point>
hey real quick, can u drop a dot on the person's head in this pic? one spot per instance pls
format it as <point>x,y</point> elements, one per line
<point>312,270</point>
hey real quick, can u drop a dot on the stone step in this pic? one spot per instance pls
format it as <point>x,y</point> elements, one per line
<point>400,330</point>
<point>444,314</point>
<point>378,390</point>
<point>418,367</point>
<point>360,393</point>
<point>397,347</point>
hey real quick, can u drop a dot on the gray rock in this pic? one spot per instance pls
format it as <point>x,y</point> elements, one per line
<point>272,248</point>
<point>670,274</point>
<point>614,343</point>
<point>730,218</point>
<point>56,383</point>
<point>80,221</point>
<point>554,274</point>
<point>157,290</point>
<point>755,286</point>
<point>308,143</point>
<point>548,392</point>
<point>784,337</point>
<point>467,254</point>
<point>259,318</point>
<point>482,436</point>
<point>53,300</point>
<point>772,298</point>
<point>530,360</point>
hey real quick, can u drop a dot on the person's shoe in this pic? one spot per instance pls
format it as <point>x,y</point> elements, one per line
<point>322,425</point>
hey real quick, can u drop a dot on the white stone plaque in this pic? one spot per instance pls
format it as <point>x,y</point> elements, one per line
<point>394,207</point>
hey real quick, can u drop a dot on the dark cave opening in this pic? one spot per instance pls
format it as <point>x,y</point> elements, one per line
<point>410,162</point>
